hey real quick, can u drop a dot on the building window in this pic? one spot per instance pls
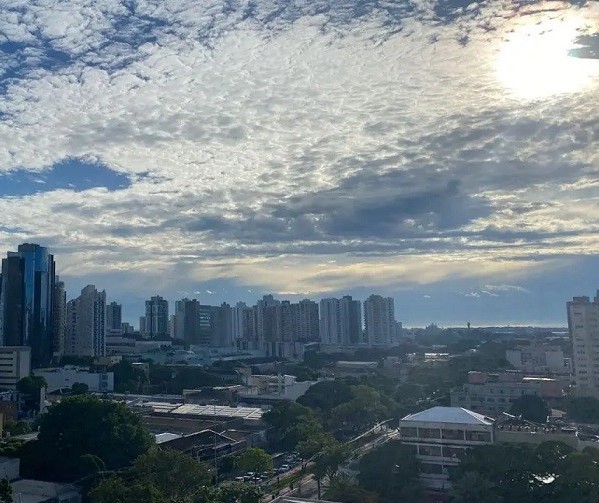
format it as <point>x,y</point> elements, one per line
<point>429,450</point>
<point>478,436</point>
<point>407,432</point>
<point>453,434</point>
<point>429,433</point>
<point>453,452</point>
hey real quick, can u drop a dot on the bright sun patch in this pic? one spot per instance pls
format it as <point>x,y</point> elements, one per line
<point>534,60</point>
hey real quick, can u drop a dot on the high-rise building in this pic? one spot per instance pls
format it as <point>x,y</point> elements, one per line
<point>60,317</point>
<point>351,320</point>
<point>243,320</point>
<point>330,323</point>
<point>379,321</point>
<point>583,324</point>
<point>222,326</point>
<point>340,321</point>
<point>114,316</point>
<point>86,324</point>
<point>308,329</point>
<point>28,282</point>
<point>156,322</point>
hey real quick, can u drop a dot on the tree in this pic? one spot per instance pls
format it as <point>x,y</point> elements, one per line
<point>235,493</point>
<point>326,395</point>
<point>79,388</point>
<point>582,409</point>
<point>472,487</point>
<point>254,459</point>
<point>31,386</point>
<point>365,408</point>
<point>345,492</point>
<point>391,470</point>
<point>531,408</point>
<point>127,378</point>
<point>5,491</point>
<point>17,428</point>
<point>328,460</point>
<point>85,425</point>
<point>171,473</point>
<point>291,423</point>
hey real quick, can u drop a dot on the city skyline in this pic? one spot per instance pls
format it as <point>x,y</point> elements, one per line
<point>440,153</point>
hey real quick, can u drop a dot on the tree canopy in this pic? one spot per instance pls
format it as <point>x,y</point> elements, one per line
<point>391,471</point>
<point>254,459</point>
<point>326,395</point>
<point>531,408</point>
<point>551,471</point>
<point>85,425</point>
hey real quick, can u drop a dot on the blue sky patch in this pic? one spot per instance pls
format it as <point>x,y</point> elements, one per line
<point>72,174</point>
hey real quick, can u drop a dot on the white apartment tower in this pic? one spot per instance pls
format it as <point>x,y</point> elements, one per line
<point>583,324</point>
<point>86,324</point>
<point>379,321</point>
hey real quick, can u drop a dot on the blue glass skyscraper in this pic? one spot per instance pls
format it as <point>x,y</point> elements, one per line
<point>26,295</point>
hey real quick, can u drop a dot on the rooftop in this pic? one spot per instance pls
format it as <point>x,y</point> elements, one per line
<point>251,413</point>
<point>451,415</point>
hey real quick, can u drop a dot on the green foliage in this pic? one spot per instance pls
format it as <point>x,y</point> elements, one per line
<point>31,386</point>
<point>233,493</point>
<point>551,471</point>
<point>254,459</point>
<point>12,448</point>
<point>127,378</point>
<point>291,423</point>
<point>192,378</point>
<point>472,487</point>
<point>531,408</point>
<point>5,491</point>
<point>582,409</point>
<point>79,388</point>
<point>84,425</point>
<point>391,471</point>
<point>365,408</point>
<point>328,460</point>
<point>17,427</point>
<point>171,473</point>
<point>302,372</point>
<point>326,395</point>
<point>345,492</point>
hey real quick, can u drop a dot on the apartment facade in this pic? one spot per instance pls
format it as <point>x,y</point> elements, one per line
<point>583,325</point>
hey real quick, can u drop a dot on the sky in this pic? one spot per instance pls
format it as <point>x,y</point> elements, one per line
<point>442,152</point>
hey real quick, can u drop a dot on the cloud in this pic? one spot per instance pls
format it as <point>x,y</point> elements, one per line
<point>365,143</point>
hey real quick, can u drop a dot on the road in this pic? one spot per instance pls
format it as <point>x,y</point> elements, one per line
<point>307,487</point>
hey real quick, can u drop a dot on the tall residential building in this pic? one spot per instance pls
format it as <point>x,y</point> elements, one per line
<point>114,316</point>
<point>156,320</point>
<point>330,323</point>
<point>351,320</point>
<point>340,321</point>
<point>60,317</point>
<point>86,324</point>
<point>244,331</point>
<point>308,329</point>
<point>26,296</point>
<point>379,321</point>
<point>583,323</point>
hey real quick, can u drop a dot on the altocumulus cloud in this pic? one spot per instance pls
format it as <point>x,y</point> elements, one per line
<point>298,146</point>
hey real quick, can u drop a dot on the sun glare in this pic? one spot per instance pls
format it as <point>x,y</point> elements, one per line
<point>534,63</point>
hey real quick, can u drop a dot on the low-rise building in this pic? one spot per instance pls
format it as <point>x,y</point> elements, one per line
<point>64,377</point>
<point>273,387</point>
<point>39,491</point>
<point>441,436</point>
<point>537,357</point>
<point>493,394</point>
